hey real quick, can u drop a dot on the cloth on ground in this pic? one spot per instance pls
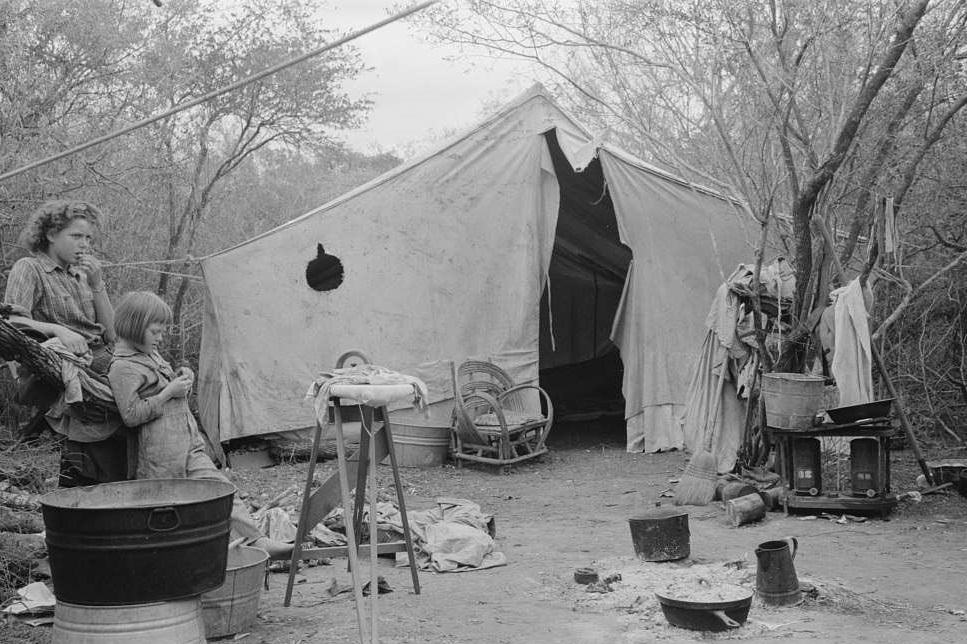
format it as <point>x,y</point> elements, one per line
<point>453,537</point>
<point>387,518</point>
<point>276,524</point>
<point>852,364</point>
<point>33,599</point>
<point>366,374</point>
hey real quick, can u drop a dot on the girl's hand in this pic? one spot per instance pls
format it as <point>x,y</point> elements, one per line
<point>187,372</point>
<point>179,387</point>
<point>74,341</point>
<point>92,268</point>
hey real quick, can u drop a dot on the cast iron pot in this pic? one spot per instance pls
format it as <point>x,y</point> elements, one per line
<point>137,541</point>
<point>706,616</point>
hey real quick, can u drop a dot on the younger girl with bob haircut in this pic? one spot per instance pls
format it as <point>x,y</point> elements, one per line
<point>152,398</point>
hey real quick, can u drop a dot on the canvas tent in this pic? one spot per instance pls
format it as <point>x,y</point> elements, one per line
<point>448,257</point>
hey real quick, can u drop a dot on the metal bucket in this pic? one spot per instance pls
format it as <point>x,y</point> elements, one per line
<point>420,446</point>
<point>660,535</point>
<point>137,541</point>
<point>153,623</point>
<point>792,400</point>
<point>234,606</point>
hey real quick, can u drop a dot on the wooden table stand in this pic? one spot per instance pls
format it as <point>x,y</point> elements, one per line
<point>375,443</point>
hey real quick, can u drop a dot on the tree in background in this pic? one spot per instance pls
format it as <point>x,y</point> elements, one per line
<point>74,69</point>
<point>799,108</point>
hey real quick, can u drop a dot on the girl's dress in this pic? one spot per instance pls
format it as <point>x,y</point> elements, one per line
<point>169,444</point>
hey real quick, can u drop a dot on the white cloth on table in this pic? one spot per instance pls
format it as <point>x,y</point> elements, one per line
<point>364,384</point>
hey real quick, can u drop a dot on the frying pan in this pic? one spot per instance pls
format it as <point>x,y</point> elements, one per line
<point>706,616</point>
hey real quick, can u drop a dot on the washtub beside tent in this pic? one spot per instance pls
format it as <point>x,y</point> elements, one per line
<point>523,242</point>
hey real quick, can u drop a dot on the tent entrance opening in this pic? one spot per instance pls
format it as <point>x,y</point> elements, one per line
<point>580,367</point>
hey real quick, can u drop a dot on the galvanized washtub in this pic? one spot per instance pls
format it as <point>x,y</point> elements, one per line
<point>137,541</point>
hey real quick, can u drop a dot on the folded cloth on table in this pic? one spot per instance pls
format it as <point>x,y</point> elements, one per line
<point>367,374</point>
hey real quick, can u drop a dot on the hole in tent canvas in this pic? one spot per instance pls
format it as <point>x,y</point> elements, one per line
<point>324,272</point>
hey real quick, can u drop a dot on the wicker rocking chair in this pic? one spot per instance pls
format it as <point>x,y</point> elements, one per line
<point>492,423</point>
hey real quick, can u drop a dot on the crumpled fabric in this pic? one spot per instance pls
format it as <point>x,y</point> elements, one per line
<point>726,426</point>
<point>453,537</point>
<point>778,279</point>
<point>76,380</point>
<point>852,365</point>
<point>366,374</point>
<point>388,518</point>
<point>275,524</point>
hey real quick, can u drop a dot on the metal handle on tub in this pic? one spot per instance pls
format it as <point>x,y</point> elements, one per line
<point>163,519</point>
<point>728,621</point>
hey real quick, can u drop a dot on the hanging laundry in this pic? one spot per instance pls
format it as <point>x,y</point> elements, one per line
<point>852,364</point>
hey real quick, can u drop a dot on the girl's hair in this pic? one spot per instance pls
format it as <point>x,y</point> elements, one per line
<point>53,217</point>
<point>136,311</point>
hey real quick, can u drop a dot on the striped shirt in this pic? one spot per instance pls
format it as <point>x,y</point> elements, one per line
<point>41,289</point>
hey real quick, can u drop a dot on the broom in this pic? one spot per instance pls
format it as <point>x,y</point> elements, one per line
<point>697,485</point>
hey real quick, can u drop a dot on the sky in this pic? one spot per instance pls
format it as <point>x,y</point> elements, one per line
<point>420,96</point>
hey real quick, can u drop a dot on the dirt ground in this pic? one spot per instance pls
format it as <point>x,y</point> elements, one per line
<point>895,580</point>
<point>884,581</point>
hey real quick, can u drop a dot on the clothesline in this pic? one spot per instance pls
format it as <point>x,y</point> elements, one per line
<point>184,260</point>
<point>188,276</point>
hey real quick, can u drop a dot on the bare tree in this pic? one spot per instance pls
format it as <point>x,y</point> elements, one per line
<point>800,107</point>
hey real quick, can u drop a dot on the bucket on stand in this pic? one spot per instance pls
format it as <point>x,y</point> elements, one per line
<point>153,623</point>
<point>660,535</point>
<point>234,606</point>
<point>792,400</point>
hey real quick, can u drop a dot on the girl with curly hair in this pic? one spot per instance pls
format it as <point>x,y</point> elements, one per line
<point>58,291</point>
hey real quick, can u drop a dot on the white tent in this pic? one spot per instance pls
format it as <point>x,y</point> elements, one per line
<point>447,258</point>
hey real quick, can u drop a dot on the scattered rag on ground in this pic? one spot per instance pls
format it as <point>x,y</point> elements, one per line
<point>33,599</point>
<point>387,519</point>
<point>276,524</point>
<point>852,356</point>
<point>366,374</point>
<point>454,536</point>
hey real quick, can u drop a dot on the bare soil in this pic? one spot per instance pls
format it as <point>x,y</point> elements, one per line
<point>895,580</point>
